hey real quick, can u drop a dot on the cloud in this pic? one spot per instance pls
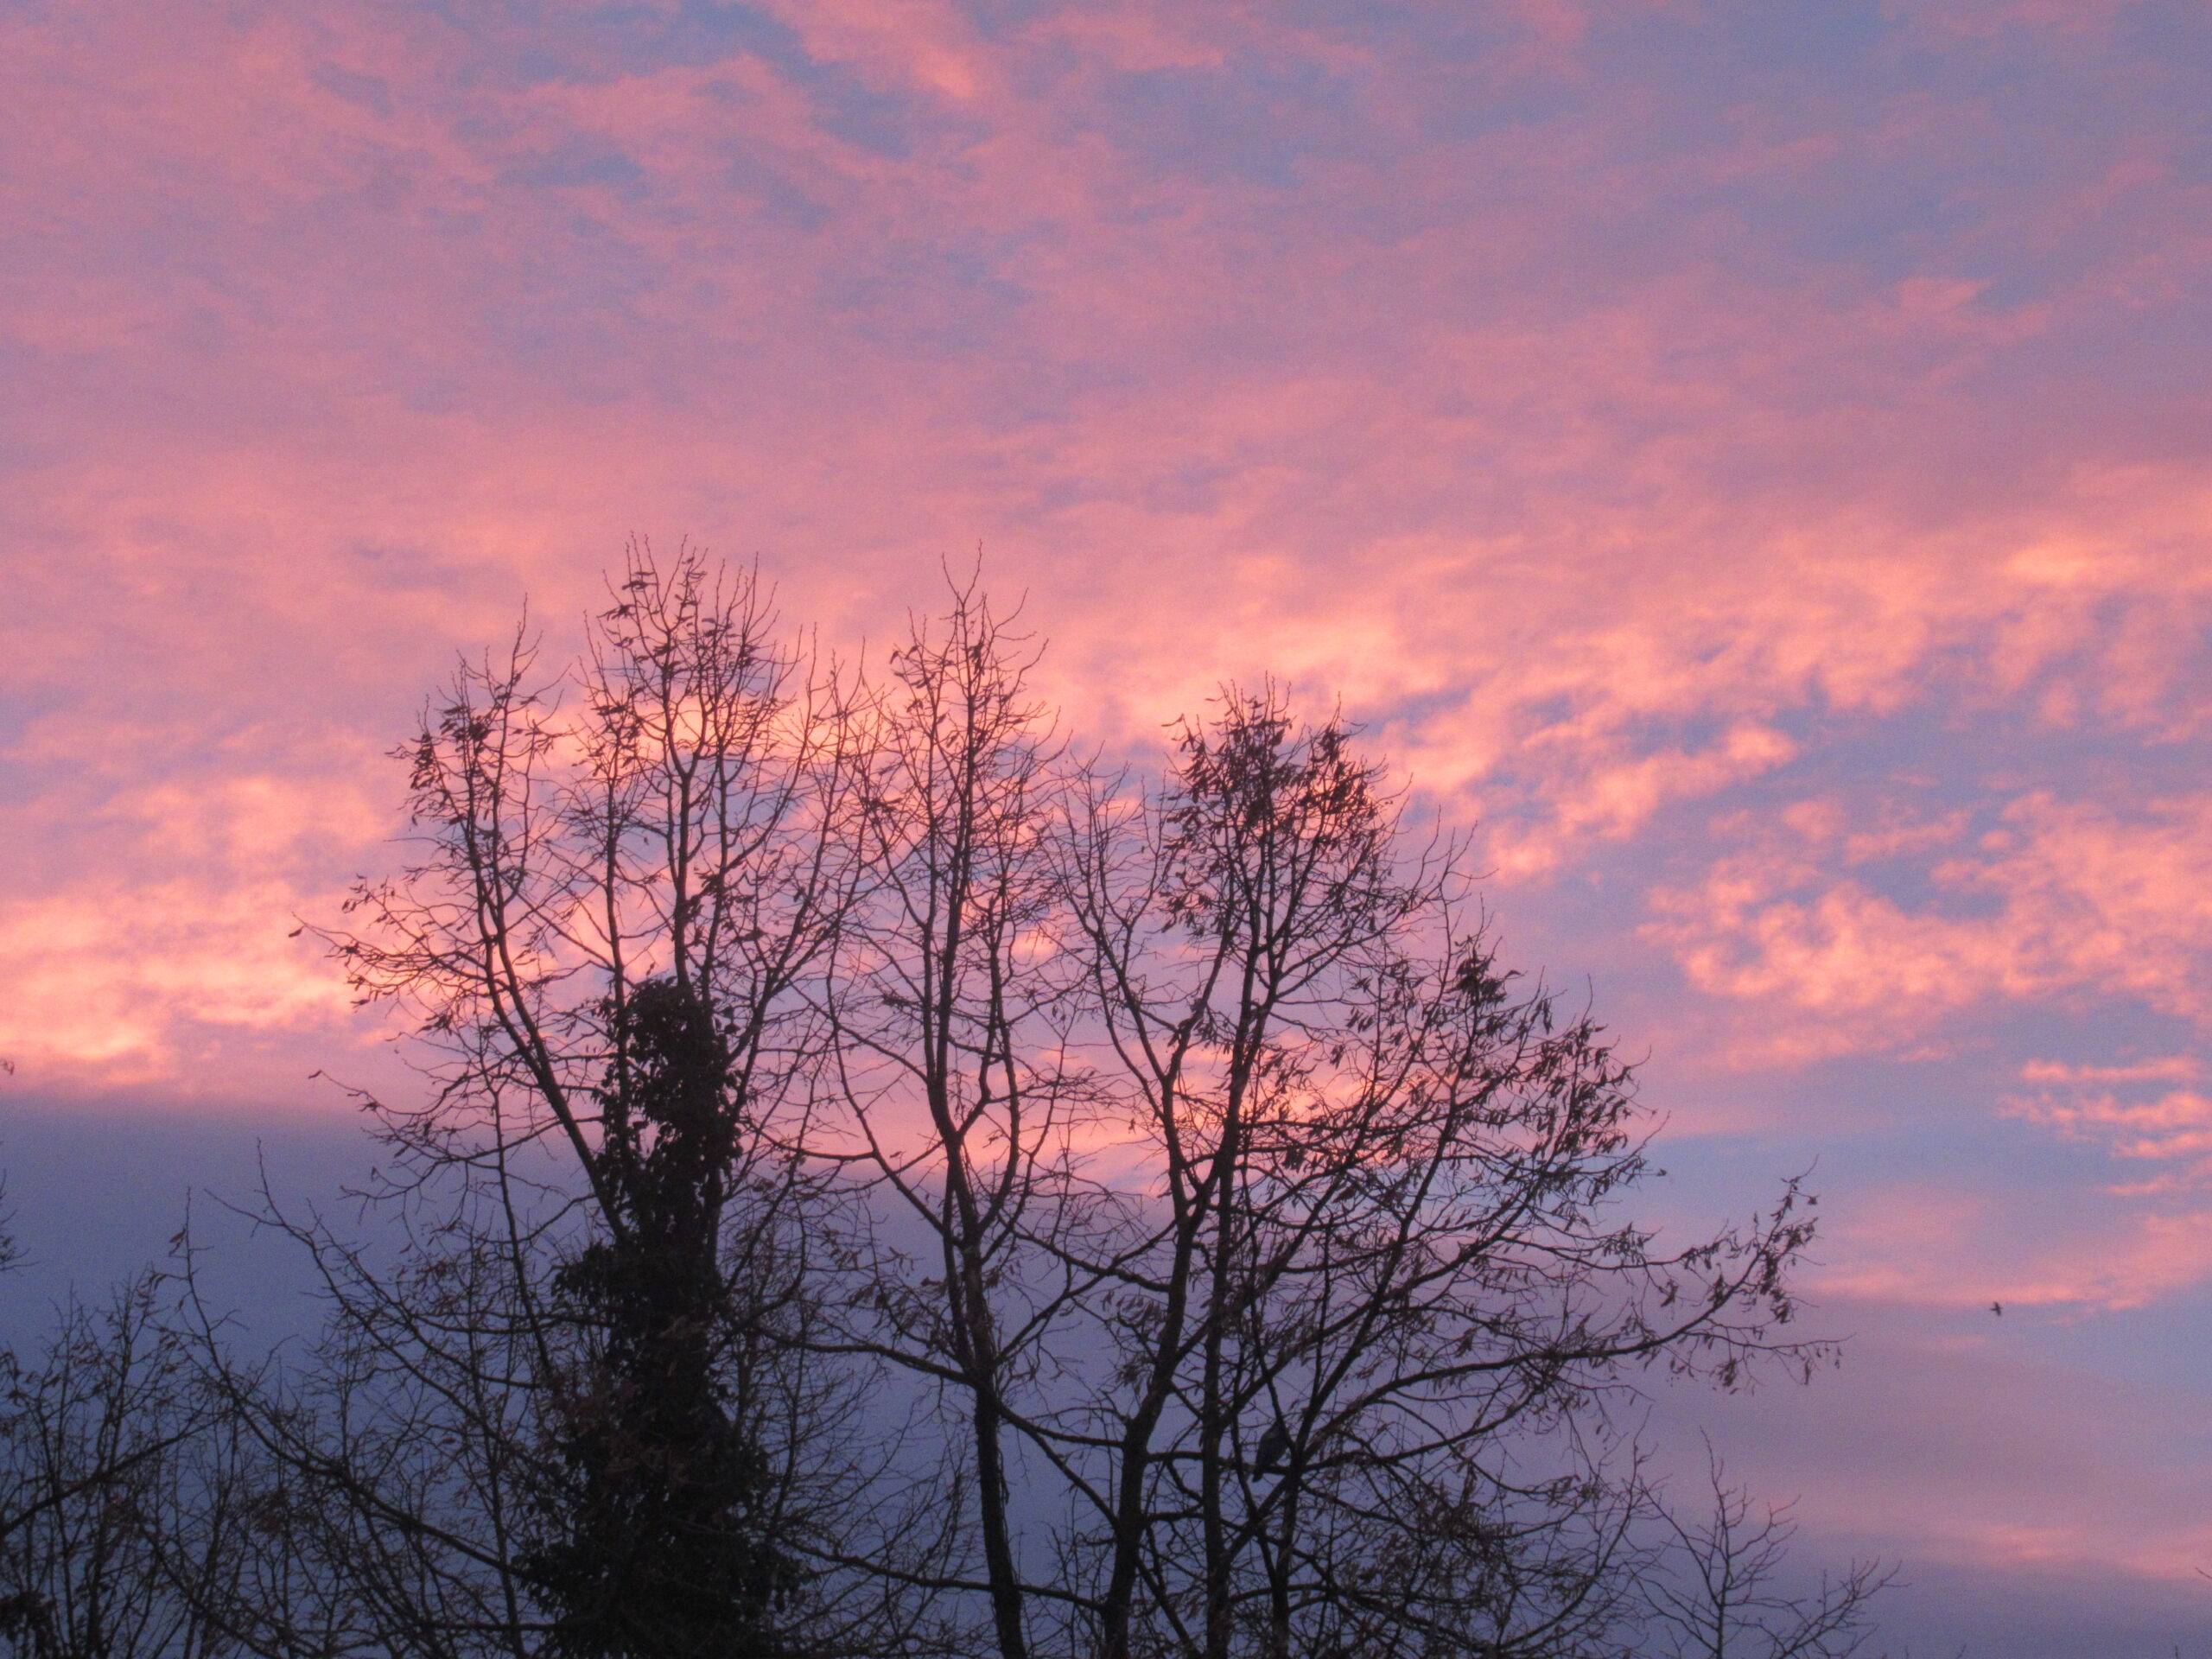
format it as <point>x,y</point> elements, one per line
<point>2054,900</point>
<point>1749,458</point>
<point>163,928</point>
<point>2124,1110</point>
<point>1941,1243</point>
<point>1610,454</point>
<point>154,987</point>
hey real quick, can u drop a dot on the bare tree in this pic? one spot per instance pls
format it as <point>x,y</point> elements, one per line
<point>109,1455</point>
<point>1271,1252</point>
<point>1376,1256</point>
<point>1722,1590</point>
<point>949,1064</point>
<point>563,1413</point>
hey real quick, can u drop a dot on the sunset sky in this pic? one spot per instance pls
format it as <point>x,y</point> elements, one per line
<point>1751,459</point>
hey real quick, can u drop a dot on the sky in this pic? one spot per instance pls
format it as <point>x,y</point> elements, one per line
<point>1748,458</point>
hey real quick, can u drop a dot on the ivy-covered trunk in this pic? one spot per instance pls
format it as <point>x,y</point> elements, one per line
<point>656,1549</point>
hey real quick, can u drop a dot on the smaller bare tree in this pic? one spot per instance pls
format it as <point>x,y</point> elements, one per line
<point>115,1538</point>
<point>1720,1586</point>
<point>949,1069</point>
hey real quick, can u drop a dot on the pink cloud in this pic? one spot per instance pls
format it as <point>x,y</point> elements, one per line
<point>1929,1244</point>
<point>1756,471</point>
<point>2080,900</point>
<point>2120,1108</point>
<point>1586,545</point>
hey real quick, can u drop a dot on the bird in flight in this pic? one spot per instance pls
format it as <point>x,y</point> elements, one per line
<point>1997,1308</point>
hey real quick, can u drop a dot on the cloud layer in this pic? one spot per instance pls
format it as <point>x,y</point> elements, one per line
<point>1752,457</point>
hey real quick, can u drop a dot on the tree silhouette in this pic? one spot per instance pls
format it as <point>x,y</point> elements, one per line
<point>656,1550</point>
<point>890,1183</point>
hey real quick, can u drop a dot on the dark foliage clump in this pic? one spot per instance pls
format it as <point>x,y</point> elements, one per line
<point>658,1552</point>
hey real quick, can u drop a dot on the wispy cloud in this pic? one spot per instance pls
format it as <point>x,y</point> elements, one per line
<point>1749,458</point>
